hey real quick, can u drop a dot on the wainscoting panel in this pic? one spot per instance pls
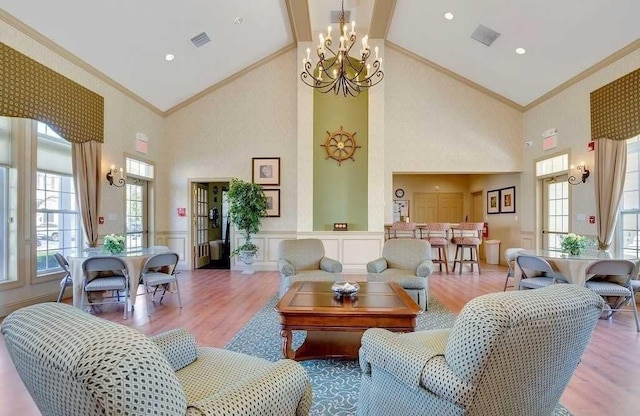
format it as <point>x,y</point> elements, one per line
<point>356,252</point>
<point>177,241</point>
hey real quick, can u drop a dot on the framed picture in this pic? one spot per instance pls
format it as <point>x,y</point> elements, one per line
<point>493,202</point>
<point>266,171</point>
<point>508,200</point>
<point>400,209</point>
<point>273,202</point>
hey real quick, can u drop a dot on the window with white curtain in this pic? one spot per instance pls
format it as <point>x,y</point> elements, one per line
<point>57,219</point>
<point>628,227</point>
<point>5,164</point>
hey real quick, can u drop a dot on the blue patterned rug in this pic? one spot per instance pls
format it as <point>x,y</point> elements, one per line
<point>335,383</point>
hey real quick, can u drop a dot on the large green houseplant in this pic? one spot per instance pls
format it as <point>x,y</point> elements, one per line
<point>247,206</point>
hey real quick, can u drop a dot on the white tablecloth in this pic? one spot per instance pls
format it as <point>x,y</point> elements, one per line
<point>573,268</point>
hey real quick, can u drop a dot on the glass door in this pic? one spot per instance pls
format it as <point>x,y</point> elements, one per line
<point>555,211</point>
<point>136,214</point>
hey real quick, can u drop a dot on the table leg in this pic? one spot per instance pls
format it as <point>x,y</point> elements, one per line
<point>287,338</point>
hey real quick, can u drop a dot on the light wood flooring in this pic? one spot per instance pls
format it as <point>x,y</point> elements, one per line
<point>217,303</point>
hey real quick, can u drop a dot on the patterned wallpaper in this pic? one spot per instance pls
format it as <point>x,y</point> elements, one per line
<point>615,108</point>
<point>31,90</point>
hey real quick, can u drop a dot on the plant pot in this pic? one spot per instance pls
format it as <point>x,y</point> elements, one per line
<point>247,257</point>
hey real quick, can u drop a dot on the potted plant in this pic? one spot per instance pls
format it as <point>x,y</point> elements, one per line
<point>247,206</point>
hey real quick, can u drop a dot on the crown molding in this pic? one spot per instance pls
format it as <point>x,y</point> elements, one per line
<point>299,19</point>
<point>54,47</point>
<point>455,76</point>
<point>381,18</point>
<point>228,80</point>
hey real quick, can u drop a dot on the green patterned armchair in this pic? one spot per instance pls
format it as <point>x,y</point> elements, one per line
<point>304,260</point>
<point>509,353</point>
<point>406,262</point>
<point>73,363</point>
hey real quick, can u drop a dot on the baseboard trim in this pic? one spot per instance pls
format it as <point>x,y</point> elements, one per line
<point>49,297</point>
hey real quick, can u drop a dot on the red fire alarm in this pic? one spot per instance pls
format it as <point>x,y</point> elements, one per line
<point>592,219</point>
<point>591,146</point>
<point>182,212</point>
<point>100,220</point>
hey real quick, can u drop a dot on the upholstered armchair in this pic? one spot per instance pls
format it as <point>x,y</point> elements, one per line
<point>73,363</point>
<point>509,353</point>
<point>304,260</point>
<point>406,262</point>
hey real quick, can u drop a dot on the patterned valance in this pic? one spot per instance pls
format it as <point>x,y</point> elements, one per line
<point>29,89</point>
<point>615,109</point>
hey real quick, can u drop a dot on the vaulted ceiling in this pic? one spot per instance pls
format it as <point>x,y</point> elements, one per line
<point>127,41</point>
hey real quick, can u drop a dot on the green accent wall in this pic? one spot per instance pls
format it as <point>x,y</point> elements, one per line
<point>340,192</point>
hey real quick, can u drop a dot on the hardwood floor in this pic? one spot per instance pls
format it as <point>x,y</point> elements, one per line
<point>217,303</point>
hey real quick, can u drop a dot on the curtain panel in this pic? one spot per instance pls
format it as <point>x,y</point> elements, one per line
<point>609,175</point>
<point>29,89</point>
<point>615,108</point>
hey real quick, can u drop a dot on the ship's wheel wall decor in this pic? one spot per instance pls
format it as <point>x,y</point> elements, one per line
<point>340,145</point>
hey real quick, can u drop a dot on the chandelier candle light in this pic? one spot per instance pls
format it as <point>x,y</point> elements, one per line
<point>337,70</point>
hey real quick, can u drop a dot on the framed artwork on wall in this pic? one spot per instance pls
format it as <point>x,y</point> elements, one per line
<point>493,202</point>
<point>400,209</point>
<point>508,200</point>
<point>273,202</point>
<point>266,171</point>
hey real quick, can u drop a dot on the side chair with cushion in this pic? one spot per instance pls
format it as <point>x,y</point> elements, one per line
<point>406,262</point>
<point>304,260</point>
<point>510,255</point>
<point>104,274</point>
<point>612,281</point>
<point>536,273</point>
<point>159,270</point>
<point>509,353</point>
<point>66,281</point>
<point>76,364</point>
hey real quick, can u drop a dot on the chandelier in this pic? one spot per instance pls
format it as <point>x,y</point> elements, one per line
<point>338,71</point>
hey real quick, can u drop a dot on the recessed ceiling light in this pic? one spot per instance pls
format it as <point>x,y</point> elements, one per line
<point>169,57</point>
<point>520,51</point>
<point>448,16</point>
<point>237,20</point>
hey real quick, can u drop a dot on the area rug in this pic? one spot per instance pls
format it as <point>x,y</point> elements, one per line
<point>335,383</point>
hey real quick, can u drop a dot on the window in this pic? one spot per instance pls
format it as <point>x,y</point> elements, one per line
<point>57,218</point>
<point>5,163</point>
<point>552,174</point>
<point>139,174</point>
<point>629,220</point>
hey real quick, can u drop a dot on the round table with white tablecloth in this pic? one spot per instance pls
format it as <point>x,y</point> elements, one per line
<point>573,268</point>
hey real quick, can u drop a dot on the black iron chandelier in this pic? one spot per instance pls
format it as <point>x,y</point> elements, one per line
<point>338,71</point>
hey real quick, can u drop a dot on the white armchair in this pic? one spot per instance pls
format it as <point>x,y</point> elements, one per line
<point>75,364</point>
<point>304,260</point>
<point>509,353</point>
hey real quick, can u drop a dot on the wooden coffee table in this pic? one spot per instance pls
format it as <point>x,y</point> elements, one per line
<point>335,325</point>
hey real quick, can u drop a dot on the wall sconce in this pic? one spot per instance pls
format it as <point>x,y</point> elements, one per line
<point>585,174</point>
<point>112,181</point>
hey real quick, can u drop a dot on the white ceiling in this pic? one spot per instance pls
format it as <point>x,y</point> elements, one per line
<point>127,40</point>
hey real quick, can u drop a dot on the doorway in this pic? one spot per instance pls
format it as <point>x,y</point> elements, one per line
<point>210,225</point>
<point>555,211</point>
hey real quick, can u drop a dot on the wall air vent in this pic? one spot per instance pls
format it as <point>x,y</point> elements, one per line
<point>334,17</point>
<point>200,39</point>
<point>485,35</point>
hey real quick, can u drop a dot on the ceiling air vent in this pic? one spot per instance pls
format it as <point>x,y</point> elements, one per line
<point>200,39</point>
<point>485,35</point>
<point>334,16</point>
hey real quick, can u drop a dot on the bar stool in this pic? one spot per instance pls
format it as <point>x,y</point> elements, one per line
<point>403,230</point>
<point>470,236</point>
<point>437,234</point>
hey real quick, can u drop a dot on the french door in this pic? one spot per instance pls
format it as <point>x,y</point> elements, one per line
<point>555,211</point>
<point>136,214</point>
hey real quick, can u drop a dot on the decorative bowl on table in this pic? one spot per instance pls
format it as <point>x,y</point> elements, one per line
<point>344,288</point>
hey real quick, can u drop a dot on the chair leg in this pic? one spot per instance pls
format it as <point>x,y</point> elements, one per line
<point>146,295</point>
<point>476,249</point>
<point>505,282</point>
<point>456,260</point>
<point>178,292</point>
<point>635,310</point>
<point>446,261</point>
<point>62,287</point>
